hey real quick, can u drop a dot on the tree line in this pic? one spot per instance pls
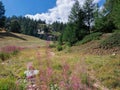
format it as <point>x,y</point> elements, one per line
<point>25,25</point>
<point>89,18</point>
<point>83,20</point>
<point>22,25</point>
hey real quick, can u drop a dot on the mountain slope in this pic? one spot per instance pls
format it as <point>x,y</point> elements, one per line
<point>9,38</point>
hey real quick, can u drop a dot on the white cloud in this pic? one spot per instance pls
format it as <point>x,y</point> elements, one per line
<point>101,8</point>
<point>58,13</point>
<point>96,1</point>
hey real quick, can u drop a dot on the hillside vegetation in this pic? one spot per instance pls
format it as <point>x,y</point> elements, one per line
<point>77,65</point>
<point>15,39</point>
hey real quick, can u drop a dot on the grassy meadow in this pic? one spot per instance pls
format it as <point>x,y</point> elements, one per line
<point>70,69</point>
<point>14,39</point>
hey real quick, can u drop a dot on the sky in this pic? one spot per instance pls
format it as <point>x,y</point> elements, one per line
<point>46,10</point>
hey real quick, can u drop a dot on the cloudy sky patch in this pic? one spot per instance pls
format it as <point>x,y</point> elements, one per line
<point>58,13</point>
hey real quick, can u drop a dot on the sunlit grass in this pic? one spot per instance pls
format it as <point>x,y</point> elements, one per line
<point>106,68</point>
<point>21,40</point>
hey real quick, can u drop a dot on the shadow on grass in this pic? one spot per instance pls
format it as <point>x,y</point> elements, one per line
<point>8,34</point>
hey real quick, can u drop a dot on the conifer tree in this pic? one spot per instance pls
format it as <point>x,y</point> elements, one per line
<point>2,17</point>
<point>89,8</point>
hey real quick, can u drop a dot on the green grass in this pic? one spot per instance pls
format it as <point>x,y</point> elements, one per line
<point>111,41</point>
<point>106,68</point>
<point>14,39</point>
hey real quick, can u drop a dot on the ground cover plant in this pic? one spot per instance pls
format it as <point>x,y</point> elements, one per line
<point>8,51</point>
<point>60,70</point>
<point>111,41</point>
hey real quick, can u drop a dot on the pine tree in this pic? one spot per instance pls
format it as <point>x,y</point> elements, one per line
<point>108,19</point>
<point>69,35</point>
<point>80,26</point>
<point>76,28</point>
<point>15,26</point>
<point>115,13</point>
<point>73,17</point>
<point>2,17</point>
<point>89,8</point>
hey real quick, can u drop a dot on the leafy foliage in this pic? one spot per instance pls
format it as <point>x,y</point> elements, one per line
<point>4,56</point>
<point>76,29</point>
<point>6,84</point>
<point>59,48</point>
<point>9,84</point>
<point>57,26</point>
<point>90,37</point>
<point>23,25</point>
<point>113,7</point>
<point>73,17</point>
<point>112,41</point>
<point>8,51</point>
<point>69,35</point>
<point>104,24</point>
<point>15,26</point>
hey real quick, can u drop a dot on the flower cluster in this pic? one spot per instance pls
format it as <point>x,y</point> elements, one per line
<point>10,49</point>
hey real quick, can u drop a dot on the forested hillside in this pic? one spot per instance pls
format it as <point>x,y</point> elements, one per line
<point>89,19</point>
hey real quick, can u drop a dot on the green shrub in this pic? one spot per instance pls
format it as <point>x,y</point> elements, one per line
<point>67,48</point>
<point>112,41</point>
<point>10,84</point>
<point>112,83</point>
<point>84,78</point>
<point>90,37</point>
<point>8,51</point>
<point>117,31</point>
<point>54,87</point>
<point>7,84</point>
<point>15,52</point>
<point>52,45</point>
<point>57,67</point>
<point>4,56</point>
<point>59,48</point>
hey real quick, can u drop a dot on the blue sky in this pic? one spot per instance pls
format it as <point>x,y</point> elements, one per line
<point>47,10</point>
<point>101,2</point>
<point>23,7</point>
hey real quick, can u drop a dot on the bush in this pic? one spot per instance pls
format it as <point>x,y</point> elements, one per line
<point>59,48</point>
<point>4,56</point>
<point>8,51</point>
<point>52,45</point>
<point>90,37</point>
<point>15,52</point>
<point>7,84</point>
<point>84,78</point>
<point>112,41</point>
<point>10,84</point>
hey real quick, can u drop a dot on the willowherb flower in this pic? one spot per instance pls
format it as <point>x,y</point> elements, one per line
<point>49,71</point>
<point>62,85</point>
<point>75,82</point>
<point>10,49</point>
